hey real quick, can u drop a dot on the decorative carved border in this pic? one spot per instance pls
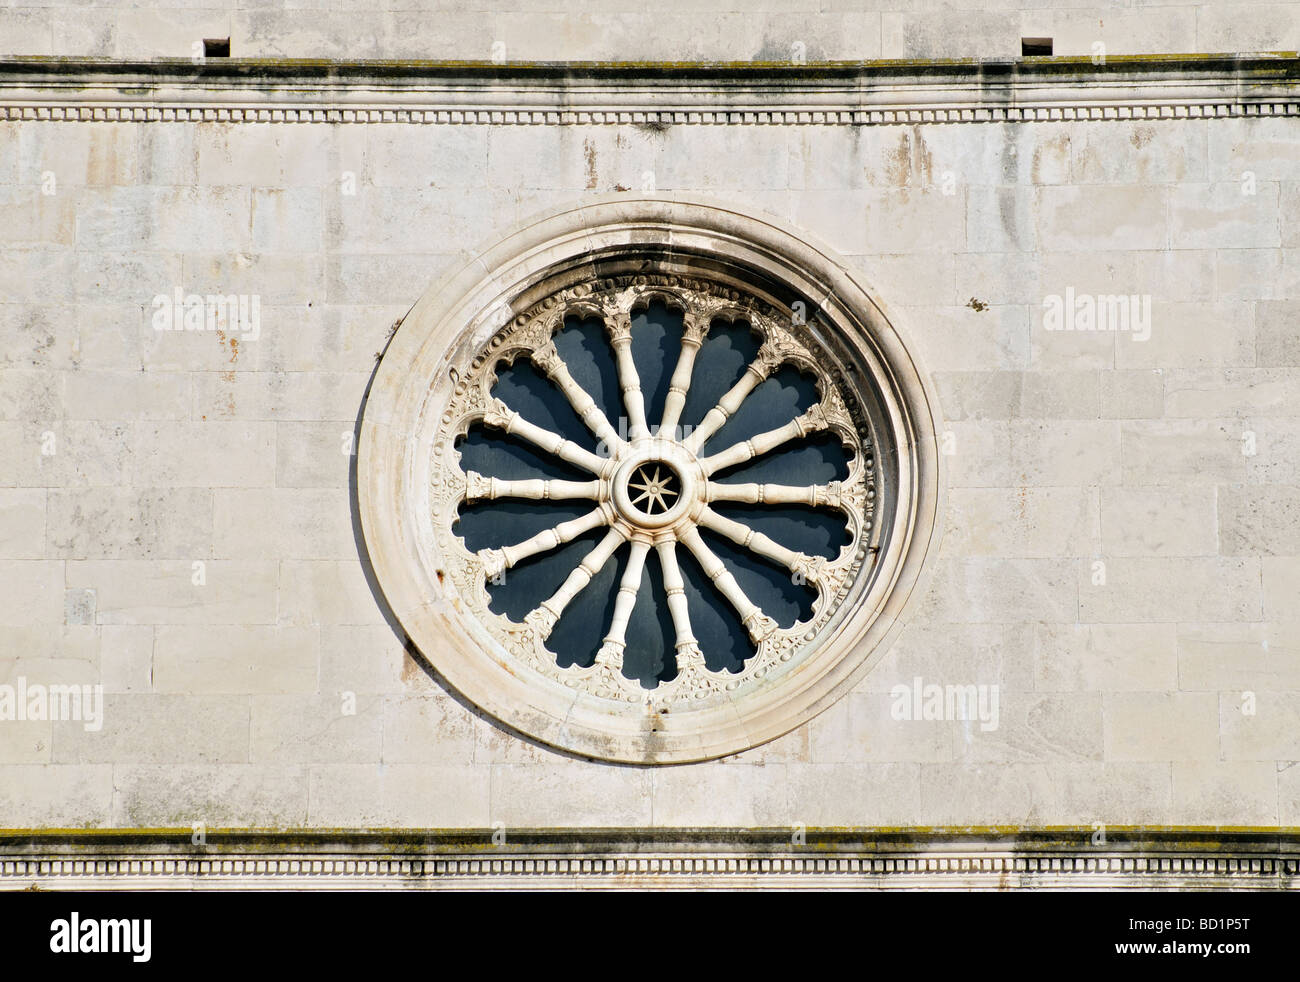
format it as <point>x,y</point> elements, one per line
<point>1164,87</point>
<point>982,859</point>
<point>611,297</point>
<point>510,117</point>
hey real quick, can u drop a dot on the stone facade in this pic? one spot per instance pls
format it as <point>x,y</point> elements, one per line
<point>622,30</point>
<point>1120,511</point>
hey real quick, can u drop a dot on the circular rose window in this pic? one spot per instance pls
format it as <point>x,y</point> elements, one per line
<point>649,481</point>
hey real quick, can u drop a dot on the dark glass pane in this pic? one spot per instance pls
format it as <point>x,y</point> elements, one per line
<point>779,398</point>
<point>656,343</point>
<point>496,454</point>
<point>534,397</point>
<point>581,629</point>
<point>815,531</point>
<point>727,349</point>
<point>816,459</point>
<point>722,640</point>
<point>584,346</point>
<point>493,524</point>
<point>770,586</point>
<point>523,588</point>
<point>650,635</point>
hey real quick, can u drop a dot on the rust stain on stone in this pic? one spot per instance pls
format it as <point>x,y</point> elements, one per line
<point>909,163</point>
<point>234,348</point>
<point>898,162</point>
<point>1058,146</point>
<point>589,151</point>
<point>921,160</point>
<point>101,163</point>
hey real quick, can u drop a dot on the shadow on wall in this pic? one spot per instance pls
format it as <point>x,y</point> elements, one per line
<point>381,602</point>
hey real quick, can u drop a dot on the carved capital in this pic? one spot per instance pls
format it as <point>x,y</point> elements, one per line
<point>759,626</point>
<point>619,327</point>
<point>695,326</point>
<point>547,358</point>
<point>493,563</point>
<point>477,487</point>
<point>498,415</point>
<point>542,620</point>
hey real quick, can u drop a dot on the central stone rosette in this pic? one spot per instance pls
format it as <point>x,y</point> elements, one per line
<point>657,485</point>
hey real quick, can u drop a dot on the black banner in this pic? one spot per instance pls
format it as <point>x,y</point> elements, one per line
<point>222,931</point>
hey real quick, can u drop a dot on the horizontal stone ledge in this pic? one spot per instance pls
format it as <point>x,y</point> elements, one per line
<point>658,95</point>
<point>1276,66</point>
<point>1208,840</point>
<point>908,858</point>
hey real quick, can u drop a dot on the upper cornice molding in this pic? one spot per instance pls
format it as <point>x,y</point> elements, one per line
<point>651,93</point>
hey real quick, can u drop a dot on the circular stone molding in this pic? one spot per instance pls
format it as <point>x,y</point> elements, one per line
<point>654,487</point>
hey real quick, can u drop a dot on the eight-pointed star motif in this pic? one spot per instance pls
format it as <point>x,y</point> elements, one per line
<point>655,490</point>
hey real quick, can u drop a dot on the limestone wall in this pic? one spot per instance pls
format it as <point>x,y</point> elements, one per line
<point>671,30</point>
<point>177,521</point>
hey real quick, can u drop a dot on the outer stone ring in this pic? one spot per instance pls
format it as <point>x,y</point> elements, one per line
<point>662,494</point>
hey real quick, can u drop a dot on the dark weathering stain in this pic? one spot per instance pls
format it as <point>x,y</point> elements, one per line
<point>589,151</point>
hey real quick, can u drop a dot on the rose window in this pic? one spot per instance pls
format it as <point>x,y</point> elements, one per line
<point>649,481</point>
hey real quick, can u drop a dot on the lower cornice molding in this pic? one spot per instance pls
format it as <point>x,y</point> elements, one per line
<point>907,859</point>
<point>657,96</point>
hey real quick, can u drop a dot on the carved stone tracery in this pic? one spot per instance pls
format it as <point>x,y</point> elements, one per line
<point>627,468</point>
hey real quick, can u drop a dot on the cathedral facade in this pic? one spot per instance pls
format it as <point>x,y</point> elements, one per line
<point>807,444</point>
